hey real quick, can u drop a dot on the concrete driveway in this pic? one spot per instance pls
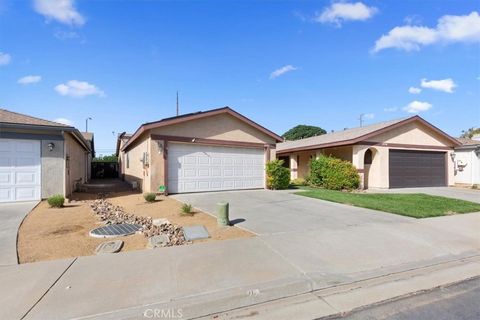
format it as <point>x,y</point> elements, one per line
<point>449,192</point>
<point>11,216</point>
<point>269,212</point>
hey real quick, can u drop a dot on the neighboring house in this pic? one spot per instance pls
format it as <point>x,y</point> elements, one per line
<point>39,158</point>
<point>467,161</point>
<point>121,141</point>
<point>213,150</point>
<point>88,136</point>
<point>408,152</point>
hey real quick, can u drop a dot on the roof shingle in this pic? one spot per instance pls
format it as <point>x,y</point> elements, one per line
<point>7,116</point>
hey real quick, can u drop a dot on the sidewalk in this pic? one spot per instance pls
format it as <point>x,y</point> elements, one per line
<point>208,278</point>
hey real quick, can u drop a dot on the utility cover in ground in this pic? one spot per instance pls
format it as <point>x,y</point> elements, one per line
<point>115,230</point>
<point>109,247</point>
<point>195,233</point>
<point>158,241</point>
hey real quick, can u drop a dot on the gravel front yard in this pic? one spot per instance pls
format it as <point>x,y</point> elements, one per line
<point>48,233</point>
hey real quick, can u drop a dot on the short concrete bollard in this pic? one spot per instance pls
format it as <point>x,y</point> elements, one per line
<point>222,214</point>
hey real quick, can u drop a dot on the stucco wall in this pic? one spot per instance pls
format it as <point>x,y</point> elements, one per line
<point>344,153</point>
<point>157,164</point>
<point>53,168</point>
<point>136,170</point>
<point>75,163</point>
<point>413,133</point>
<point>221,127</point>
<point>471,172</point>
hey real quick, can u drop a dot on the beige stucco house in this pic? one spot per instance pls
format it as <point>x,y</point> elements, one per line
<point>213,150</point>
<point>408,152</point>
<point>467,161</point>
<point>39,158</point>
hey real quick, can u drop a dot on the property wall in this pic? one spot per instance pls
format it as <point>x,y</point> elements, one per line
<point>471,172</point>
<point>221,127</point>
<point>53,168</point>
<point>136,171</point>
<point>75,163</point>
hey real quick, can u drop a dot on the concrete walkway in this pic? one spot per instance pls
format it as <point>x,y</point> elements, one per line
<point>11,216</point>
<point>338,248</point>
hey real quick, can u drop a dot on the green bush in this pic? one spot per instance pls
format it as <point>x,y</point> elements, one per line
<point>150,197</point>
<point>332,173</point>
<point>278,177</point>
<point>187,208</point>
<point>299,182</point>
<point>56,201</point>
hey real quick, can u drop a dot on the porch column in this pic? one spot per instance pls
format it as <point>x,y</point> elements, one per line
<point>293,167</point>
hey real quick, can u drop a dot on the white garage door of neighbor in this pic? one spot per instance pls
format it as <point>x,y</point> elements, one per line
<point>196,168</point>
<point>19,170</point>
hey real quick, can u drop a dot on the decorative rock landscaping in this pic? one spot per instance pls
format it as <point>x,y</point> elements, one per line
<point>113,215</point>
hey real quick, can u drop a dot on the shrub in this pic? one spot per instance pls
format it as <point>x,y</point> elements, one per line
<point>56,201</point>
<point>332,173</point>
<point>150,197</point>
<point>186,208</point>
<point>299,182</point>
<point>278,177</point>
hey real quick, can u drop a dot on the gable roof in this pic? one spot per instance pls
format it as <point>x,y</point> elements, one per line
<point>88,136</point>
<point>198,115</point>
<point>354,135</point>
<point>122,137</point>
<point>19,120</point>
<point>11,117</point>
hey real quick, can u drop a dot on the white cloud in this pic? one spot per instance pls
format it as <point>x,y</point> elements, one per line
<point>63,11</point>
<point>78,89</point>
<point>414,90</point>
<point>449,29</point>
<point>29,79</point>
<point>339,12</point>
<point>368,116</point>
<point>282,70</point>
<point>5,58</point>
<point>445,85</point>
<point>392,109</point>
<point>417,106</point>
<point>64,121</point>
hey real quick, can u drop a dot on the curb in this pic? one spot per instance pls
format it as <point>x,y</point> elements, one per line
<point>276,299</point>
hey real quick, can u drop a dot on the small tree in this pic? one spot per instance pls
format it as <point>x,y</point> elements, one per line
<point>278,177</point>
<point>303,131</point>
<point>110,158</point>
<point>332,173</point>
<point>469,133</point>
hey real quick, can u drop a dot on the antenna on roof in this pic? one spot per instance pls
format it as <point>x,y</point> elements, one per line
<point>178,110</point>
<point>361,119</point>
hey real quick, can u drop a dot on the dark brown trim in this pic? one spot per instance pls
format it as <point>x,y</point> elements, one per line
<point>405,146</point>
<point>454,141</point>
<point>199,115</point>
<point>294,169</point>
<point>361,170</point>
<point>165,165</point>
<point>216,142</point>
<point>446,169</point>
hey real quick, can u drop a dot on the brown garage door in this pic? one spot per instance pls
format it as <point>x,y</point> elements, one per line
<point>409,168</point>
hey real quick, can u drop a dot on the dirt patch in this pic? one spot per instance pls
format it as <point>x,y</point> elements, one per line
<point>49,233</point>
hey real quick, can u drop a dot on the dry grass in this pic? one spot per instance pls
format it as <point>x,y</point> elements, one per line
<point>50,233</point>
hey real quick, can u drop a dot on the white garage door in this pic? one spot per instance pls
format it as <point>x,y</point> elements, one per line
<point>195,168</point>
<point>19,170</point>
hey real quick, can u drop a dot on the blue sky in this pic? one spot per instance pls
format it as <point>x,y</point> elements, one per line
<point>281,63</point>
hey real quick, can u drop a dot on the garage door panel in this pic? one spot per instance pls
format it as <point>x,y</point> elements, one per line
<point>214,168</point>
<point>412,168</point>
<point>19,170</point>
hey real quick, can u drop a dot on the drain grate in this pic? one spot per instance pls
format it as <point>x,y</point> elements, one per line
<point>115,230</point>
